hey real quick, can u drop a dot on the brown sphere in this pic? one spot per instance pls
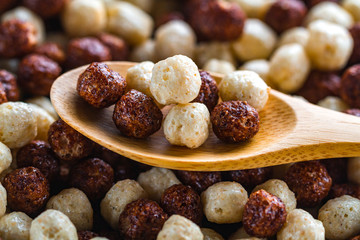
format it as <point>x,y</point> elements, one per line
<point>68,144</point>
<point>37,73</point>
<point>82,51</point>
<point>235,121</point>
<point>199,181</point>
<point>40,155</point>
<point>310,182</point>
<point>339,190</point>
<point>9,83</point>
<point>350,86</point>
<point>264,214</point>
<point>27,190</point>
<point>119,49</point>
<point>100,86</point>
<point>251,177</point>
<point>285,14</point>
<point>355,33</point>
<point>45,8</point>
<point>208,94</point>
<point>137,115</point>
<point>92,176</point>
<point>17,33</point>
<point>337,169</point>
<point>86,235</point>
<point>52,51</point>
<point>353,111</point>
<point>182,200</point>
<point>142,220</point>
<point>3,97</point>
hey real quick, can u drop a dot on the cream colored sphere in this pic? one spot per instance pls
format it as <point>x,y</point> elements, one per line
<point>144,52</point>
<point>353,7</point>
<point>44,103</point>
<point>139,77</point>
<point>333,103</point>
<point>15,226</point>
<point>210,234</point>
<point>241,234</point>
<point>43,120</point>
<point>175,80</point>
<point>254,8</point>
<point>5,157</point>
<point>219,66</point>
<point>3,201</point>
<point>205,51</point>
<point>260,66</point>
<point>180,228</point>
<point>298,35</point>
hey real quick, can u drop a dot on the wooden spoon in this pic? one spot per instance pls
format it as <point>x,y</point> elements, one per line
<point>291,130</point>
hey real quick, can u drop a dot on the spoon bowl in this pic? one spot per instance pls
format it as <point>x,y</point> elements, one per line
<point>291,130</point>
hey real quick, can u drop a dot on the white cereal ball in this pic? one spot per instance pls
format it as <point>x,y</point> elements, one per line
<point>353,170</point>
<point>209,50</point>
<point>52,224</point>
<point>174,37</point>
<point>187,125</point>
<point>44,120</point>
<point>242,234</point>
<point>175,80</point>
<point>82,17</point>
<point>180,228</point>
<point>44,103</point>
<point>260,66</point>
<point>15,226</point>
<point>129,22</point>
<point>144,52</point>
<point>156,180</point>
<point>353,7</point>
<point>210,234</point>
<point>341,217</point>
<point>224,202</point>
<point>115,200</point>
<point>74,204</point>
<point>3,201</point>
<point>139,77</point>
<point>298,35</point>
<point>219,66</point>
<point>24,14</point>
<point>244,86</point>
<point>257,41</point>
<point>331,12</point>
<point>301,225</point>
<point>18,124</point>
<point>289,67</point>
<point>280,189</point>
<point>5,157</point>
<point>329,46</point>
<point>254,8</point>
<point>333,103</point>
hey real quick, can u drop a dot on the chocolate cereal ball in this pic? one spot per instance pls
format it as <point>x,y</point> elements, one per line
<point>100,86</point>
<point>37,73</point>
<point>264,214</point>
<point>208,94</point>
<point>68,144</point>
<point>51,50</point>
<point>82,51</point>
<point>137,115</point>
<point>141,219</point>
<point>235,121</point>
<point>310,182</point>
<point>86,235</point>
<point>45,8</point>
<point>350,86</point>
<point>285,14</point>
<point>339,190</point>
<point>199,181</point>
<point>27,190</point>
<point>93,176</point>
<point>251,177</point>
<point>17,33</point>
<point>182,200</point>
<point>3,97</point>
<point>119,49</point>
<point>40,155</point>
<point>10,86</point>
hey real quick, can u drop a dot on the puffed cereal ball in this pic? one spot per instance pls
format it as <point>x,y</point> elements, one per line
<point>341,217</point>
<point>353,170</point>
<point>280,189</point>
<point>129,22</point>
<point>331,12</point>
<point>115,200</point>
<point>333,103</point>
<point>5,157</point>
<point>187,125</point>
<point>180,228</point>
<point>301,225</point>
<point>139,77</point>
<point>257,41</point>
<point>144,52</point>
<point>210,234</point>
<point>329,46</point>
<point>298,35</point>
<point>18,124</point>
<point>353,7</point>
<point>43,120</point>
<point>175,80</point>
<point>254,8</point>
<point>219,66</point>
<point>205,51</point>
<point>74,204</point>
<point>15,226</point>
<point>3,201</point>
<point>44,103</point>
<point>156,181</point>
<point>289,67</point>
<point>224,202</point>
<point>83,18</point>
<point>52,224</point>
<point>260,66</point>
<point>244,86</point>
<point>174,37</point>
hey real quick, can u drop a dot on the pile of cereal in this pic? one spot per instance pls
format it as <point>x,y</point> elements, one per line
<point>57,184</point>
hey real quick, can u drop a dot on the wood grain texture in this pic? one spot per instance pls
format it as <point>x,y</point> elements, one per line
<point>290,131</point>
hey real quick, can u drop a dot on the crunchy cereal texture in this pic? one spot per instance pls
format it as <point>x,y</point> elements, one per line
<point>350,86</point>
<point>52,224</point>
<point>353,170</point>
<point>15,226</point>
<point>175,80</point>
<point>3,201</point>
<point>86,235</point>
<point>44,103</point>
<point>298,35</point>
<point>301,225</point>
<point>19,124</point>
<point>199,181</point>
<point>43,120</point>
<point>5,157</point>
<point>180,228</point>
<point>219,66</point>
<point>208,94</point>
<point>205,51</point>
<point>341,217</point>
<point>51,50</point>
<point>8,80</point>
<point>138,77</point>
<point>333,103</point>
<point>119,195</point>
<point>259,66</point>
<point>224,202</point>
<point>353,7</point>
<point>74,204</point>
<point>210,234</point>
